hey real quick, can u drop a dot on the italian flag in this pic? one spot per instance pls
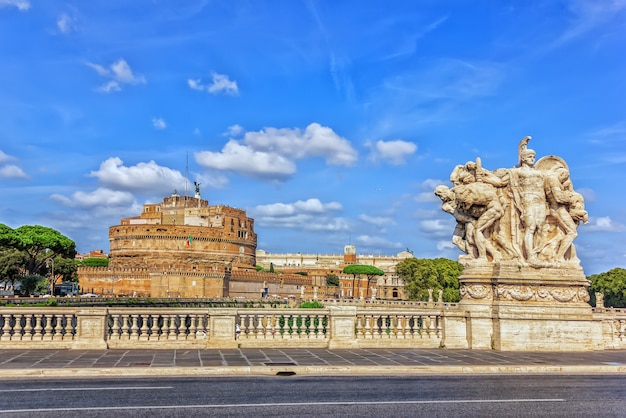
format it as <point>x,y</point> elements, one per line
<point>189,240</point>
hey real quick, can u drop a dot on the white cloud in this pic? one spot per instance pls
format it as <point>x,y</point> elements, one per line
<point>380,221</point>
<point>195,84</point>
<point>368,241</point>
<point>437,227</point>
<point>159,123</point>
<point>119,72</point>
<point>20,4</point>
<point>588,15</point>
<point>604,224</point>
<point>220,83</point>
<point>310,215</point>
<point>5,157</point>
<point>213,179</point>
<point>101,197</point>
<point>109,87</point>
<point>65,23</point>
<point>247,161</point>
<point>428,194</point>
<point>445,245</point>
<point>234,130</point>
<point>146,178</point>
<point>314,141</point>
<point>270,153</point>
<point>310,206</point>
<point>11,171</point>
<point>393,152</point>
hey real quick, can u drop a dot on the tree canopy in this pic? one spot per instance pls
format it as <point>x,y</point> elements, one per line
<point>612,284</point>
<point>103,262</point>
<point>27,250</point>
<point>421,274</point>
<point>369,271</point>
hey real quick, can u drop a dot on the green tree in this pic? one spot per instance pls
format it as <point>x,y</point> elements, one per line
<point>612,284</point>
<point>40,250</point>
<point>40,244</point>
<point>95,262</point>
<point>332,279</point>
<point>421,274</point>
<point>33,283</point>
<point>360,269</point>
<point>12,264</point>
<point>271,267</point>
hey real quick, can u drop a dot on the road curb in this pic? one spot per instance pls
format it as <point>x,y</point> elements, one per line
<point>311,370</point>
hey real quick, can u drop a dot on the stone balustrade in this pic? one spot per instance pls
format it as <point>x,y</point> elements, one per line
<point>147,327</point>
<point>422,325</point>
<point>37,327</point>
<point>613,324</point>
<point>291,327</point>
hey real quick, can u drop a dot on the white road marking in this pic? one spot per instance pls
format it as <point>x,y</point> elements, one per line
<point>279,404</point>
<point>87,389</point>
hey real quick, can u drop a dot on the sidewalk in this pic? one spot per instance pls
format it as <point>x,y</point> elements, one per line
<point>215,362</point>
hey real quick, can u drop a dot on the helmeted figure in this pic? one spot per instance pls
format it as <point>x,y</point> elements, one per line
<point>528,213</point>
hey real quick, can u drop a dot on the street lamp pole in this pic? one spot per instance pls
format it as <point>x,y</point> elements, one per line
<point>51,276</point>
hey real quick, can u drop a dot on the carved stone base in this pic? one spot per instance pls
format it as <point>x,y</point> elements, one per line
<point>518,308</point>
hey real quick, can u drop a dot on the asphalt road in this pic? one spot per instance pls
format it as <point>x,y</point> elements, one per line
<point>363,396</point>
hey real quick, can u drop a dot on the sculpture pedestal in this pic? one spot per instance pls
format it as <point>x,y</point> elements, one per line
<point>518,308</point>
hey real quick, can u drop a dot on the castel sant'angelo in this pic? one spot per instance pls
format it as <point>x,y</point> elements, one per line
<point>184,247</point>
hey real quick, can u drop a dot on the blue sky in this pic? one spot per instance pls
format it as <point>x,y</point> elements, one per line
<point>329,122</point>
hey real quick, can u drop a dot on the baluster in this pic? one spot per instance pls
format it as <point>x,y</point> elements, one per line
<point>259,328</point>
<point>37,335</point>
<point>314,326</point>
<point>193,328</point>
<point>432,331</point>
<point>124,333</point>
<point>59,326</point>
<point>273,329</point>
<point>173,327</point>
<point>48,333</point>
<point>154,329</point>
<point>359,326</point>
<point>244,322</point>
<point>203,324</point>
<point>319,327</point>
<point>165,328</point>
<point>183,328</point>
<point>269,327</point>
<point>368,328</point>
<point>439,326</point>
<point>115,329</point>
<point>286,328</point>
<point>134,328</point>
<point>400,326</point>
<point>6,328</point>
<point>28,327</point>
<point>144,336</point>
<point>18,328</point>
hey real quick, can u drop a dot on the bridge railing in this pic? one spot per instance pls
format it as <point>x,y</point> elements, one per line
<point>613,326</point>
<point>336,326</point>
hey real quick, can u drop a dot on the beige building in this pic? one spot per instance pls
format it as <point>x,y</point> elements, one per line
<point>388,286</point>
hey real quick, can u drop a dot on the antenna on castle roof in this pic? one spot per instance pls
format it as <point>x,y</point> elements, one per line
<point>186,176</point>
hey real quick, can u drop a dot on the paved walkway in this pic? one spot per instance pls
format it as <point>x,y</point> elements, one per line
<point>65,363</point>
